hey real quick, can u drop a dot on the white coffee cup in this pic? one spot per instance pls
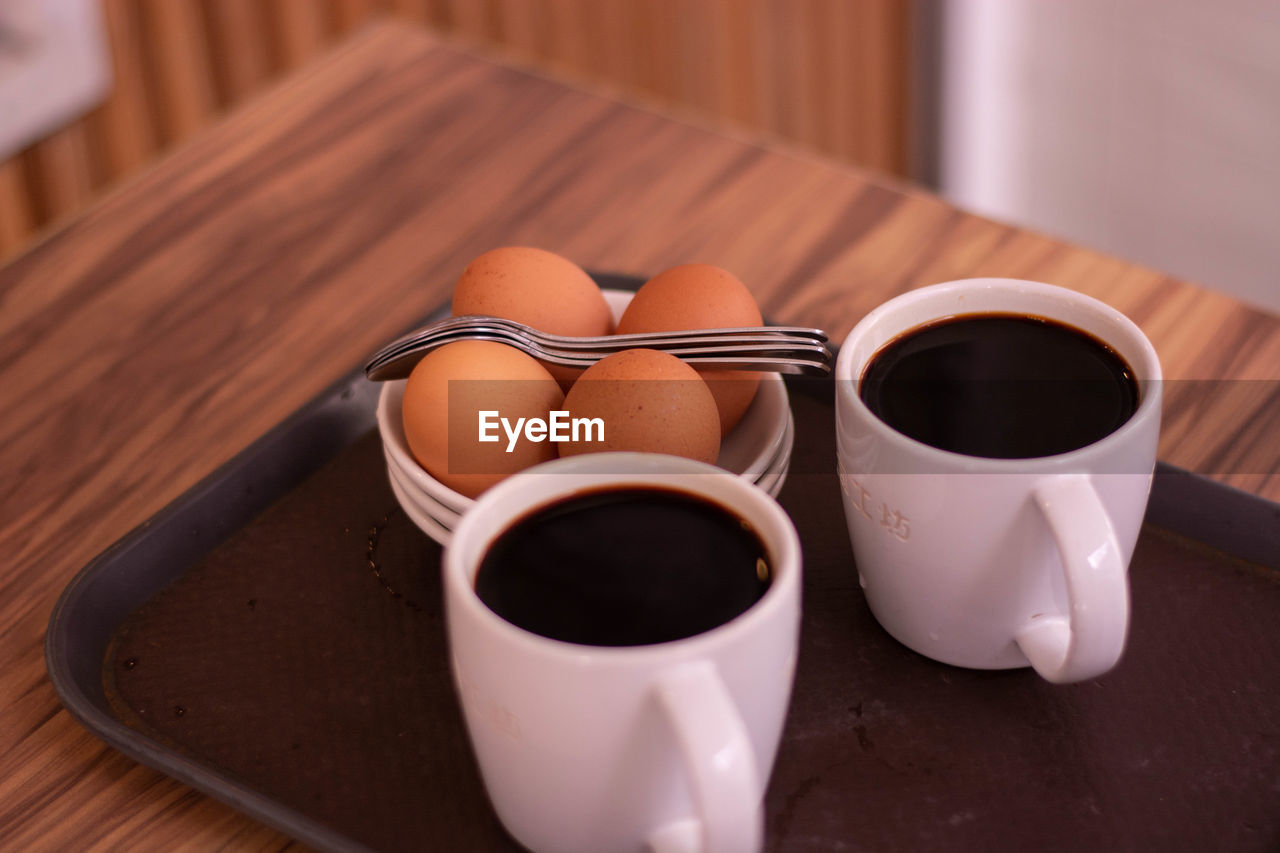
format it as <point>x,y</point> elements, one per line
<point>586,748</point>
<point>997,563</point>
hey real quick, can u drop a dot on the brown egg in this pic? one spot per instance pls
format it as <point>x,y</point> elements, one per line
<point>700,296</point>
<point>443,401</point>
<point>648,401</point>
<point>537,288</point>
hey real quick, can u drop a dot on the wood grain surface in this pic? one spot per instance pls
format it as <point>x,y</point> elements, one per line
<point>147,341</point>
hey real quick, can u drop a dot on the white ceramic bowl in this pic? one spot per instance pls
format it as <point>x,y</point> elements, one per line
<point>438,521</point>
<point>751,449</point>
<point>770,478</point>
<point>425,521</point>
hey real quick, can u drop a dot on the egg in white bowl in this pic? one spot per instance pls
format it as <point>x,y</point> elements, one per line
<point>757,448</point>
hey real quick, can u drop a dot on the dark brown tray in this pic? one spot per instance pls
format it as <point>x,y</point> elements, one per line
<point>275,639</point>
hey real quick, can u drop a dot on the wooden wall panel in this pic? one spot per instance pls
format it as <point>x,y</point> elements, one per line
<point>302,29</point>
<point>176,46</point>
<point>827,74</point>
<point>61,171</point>
<point>122,127</point>
<point>16,220</point>
<point>240,41</point>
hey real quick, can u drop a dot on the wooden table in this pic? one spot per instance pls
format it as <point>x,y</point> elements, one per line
<point>146,342</point>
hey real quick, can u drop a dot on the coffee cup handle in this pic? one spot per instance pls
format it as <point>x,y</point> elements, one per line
<point>1089,639</point>
<point>720,761</point>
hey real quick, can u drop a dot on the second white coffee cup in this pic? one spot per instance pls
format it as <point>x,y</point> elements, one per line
<point>667,746</point>
<point>997,563</point>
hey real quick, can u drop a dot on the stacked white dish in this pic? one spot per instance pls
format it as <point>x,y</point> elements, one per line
<point>758,449</point>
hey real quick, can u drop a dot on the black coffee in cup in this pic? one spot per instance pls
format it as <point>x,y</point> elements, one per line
<point>624,566</point>
<point>1004,386</point>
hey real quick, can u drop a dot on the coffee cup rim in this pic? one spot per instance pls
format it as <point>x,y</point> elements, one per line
<point>1149,374</point>
<point>518,495</point>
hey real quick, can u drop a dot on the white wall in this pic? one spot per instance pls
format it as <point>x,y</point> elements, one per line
<point>1146,128</point>
<point>54,66</point>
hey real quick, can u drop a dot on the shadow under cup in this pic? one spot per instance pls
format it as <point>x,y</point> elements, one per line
<point>597,748</point>
<point>986,562</point>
